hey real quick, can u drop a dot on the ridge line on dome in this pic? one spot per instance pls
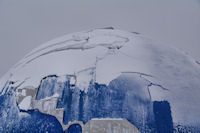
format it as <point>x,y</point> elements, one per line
<point>73,46</point>
<point>54,44</point>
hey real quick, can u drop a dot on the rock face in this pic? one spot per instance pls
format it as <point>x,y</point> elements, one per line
<point>76,82</point>
<point>109,126</point>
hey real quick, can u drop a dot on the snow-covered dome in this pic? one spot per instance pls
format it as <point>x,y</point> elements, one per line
<point>103,73</point>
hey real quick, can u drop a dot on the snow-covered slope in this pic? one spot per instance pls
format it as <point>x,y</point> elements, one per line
<point>102,55</point>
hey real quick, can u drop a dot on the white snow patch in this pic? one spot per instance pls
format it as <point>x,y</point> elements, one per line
<point>56,95</point>
<point>25,104</point>
<point>84,78</point>
<point>23,92</point>
<point>157,94</point>
<point>61,79</point>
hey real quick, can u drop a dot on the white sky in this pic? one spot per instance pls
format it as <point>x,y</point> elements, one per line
<point>25,24</point>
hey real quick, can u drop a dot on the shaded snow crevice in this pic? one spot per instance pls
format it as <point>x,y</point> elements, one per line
<point>49,46</point>
<point>108,28</point>
<point>140,74</point>
<point>198,62</point>
<point>56,50</point>
<point>135,32</point>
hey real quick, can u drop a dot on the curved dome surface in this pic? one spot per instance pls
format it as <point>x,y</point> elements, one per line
<point>106,73</point>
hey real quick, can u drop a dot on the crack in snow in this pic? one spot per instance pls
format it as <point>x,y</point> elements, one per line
<point>71,47</point>
<point>85,43</point>
<point>150,83</point>
<point>49,46</point>
<point>198,62</point>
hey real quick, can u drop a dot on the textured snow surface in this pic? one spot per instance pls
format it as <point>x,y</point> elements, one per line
<point>102,55</point>
<point>25,104</point>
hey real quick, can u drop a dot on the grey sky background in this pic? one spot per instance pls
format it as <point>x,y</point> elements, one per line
<point>26,24</point>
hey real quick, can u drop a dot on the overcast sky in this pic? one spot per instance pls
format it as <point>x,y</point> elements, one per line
<point>25,24</point>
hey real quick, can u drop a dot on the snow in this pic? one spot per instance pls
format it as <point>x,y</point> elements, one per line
<point>62,79</point>
<point>25,104</point>
<point>84,77</point>
<point>102,55</point>
<point>56,95</point>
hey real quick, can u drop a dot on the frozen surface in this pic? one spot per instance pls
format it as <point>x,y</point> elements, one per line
<point>102,55</point>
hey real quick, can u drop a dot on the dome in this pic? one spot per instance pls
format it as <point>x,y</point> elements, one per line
<point>102,76</point>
